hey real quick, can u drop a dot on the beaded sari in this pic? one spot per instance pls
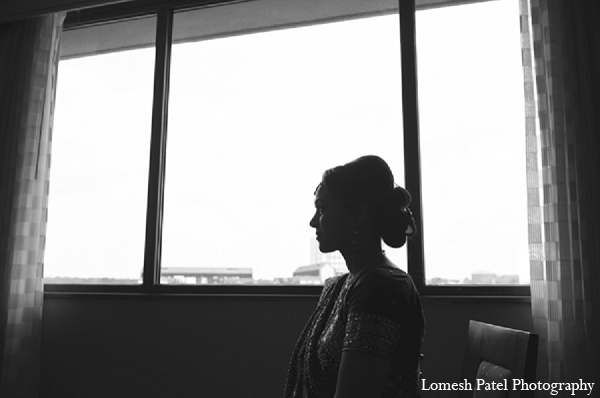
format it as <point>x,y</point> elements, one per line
<point>376,310</point>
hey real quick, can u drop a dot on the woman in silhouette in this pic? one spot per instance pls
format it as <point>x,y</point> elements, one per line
<point>364,337</point>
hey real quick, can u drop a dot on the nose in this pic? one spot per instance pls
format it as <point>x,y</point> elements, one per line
<point>314,221</point>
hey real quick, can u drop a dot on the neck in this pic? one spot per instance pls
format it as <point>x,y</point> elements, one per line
<point>365,258</point>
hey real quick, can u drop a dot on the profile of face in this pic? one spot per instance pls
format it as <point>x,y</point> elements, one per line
<point>333,222</point>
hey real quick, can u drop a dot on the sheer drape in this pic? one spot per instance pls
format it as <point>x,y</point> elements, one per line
<point>561,43</point>
<point>28,66</point>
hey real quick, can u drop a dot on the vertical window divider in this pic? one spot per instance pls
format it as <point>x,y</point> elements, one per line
<point>410,116</point>
<point>156,179</point>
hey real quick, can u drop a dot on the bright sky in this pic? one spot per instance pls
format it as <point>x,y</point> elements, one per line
<point>254,121</point>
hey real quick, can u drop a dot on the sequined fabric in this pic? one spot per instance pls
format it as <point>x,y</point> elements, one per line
<point>376,311</point>
<point>371,333</point>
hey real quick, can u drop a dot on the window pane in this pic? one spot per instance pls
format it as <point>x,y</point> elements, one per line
<point>254,120</point>
<point>473,144</point>
<point>100,152</point>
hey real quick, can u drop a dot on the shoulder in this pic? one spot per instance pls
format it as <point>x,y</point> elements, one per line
<point>386,280</point>
<point>383,291</point>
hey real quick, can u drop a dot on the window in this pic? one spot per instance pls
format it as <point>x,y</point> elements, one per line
<point>254,120</point>
<point>100,151</point>
<point>257,109</point>
<point>472,130</point>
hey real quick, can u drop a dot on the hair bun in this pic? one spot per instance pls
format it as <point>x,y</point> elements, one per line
<point>396,222</point>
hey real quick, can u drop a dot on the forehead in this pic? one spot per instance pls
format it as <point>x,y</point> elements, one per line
<point>322,195</point>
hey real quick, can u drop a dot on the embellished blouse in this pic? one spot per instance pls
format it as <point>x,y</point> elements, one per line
<point>377,311</point>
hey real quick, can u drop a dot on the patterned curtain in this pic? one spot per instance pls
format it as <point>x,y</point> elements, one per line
<point>28,65</point>
<point>561,59</point>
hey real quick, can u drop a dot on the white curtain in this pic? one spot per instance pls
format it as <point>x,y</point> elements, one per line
<point>29,53</point>
<point>561,58</point>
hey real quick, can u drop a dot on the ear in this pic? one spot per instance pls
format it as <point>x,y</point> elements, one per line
<point>361,212</point>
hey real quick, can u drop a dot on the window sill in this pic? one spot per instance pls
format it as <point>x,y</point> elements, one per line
<point>428,293</point>
<point>216,291</point>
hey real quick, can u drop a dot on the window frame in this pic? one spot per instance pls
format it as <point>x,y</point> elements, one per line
<point>164,11</point>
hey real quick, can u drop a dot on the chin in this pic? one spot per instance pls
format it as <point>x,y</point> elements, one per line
<point>324,249</point>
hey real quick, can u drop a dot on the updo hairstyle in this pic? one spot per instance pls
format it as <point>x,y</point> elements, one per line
<point>369,180</point>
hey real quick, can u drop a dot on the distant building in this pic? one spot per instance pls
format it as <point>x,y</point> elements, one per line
<point>478,278</point>
<point>442,281</point>
<point>206,275</point>
<point>315,274</point>
<point>486,278</point>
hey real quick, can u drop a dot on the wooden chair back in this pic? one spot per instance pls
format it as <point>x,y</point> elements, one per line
<point>501,356</point>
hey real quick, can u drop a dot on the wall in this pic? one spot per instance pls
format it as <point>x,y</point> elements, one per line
<point>214,347</point>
